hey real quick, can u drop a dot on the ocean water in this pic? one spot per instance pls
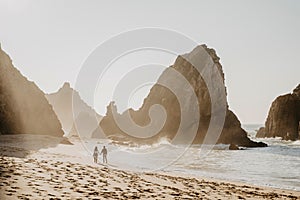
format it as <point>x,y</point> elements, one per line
<point>277,165</point>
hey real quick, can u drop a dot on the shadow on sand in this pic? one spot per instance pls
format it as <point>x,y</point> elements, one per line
<point>22,145</point>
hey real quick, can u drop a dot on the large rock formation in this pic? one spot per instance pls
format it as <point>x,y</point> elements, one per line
<point>23,106</point>
<point>82,120</point>
<point>231,132</point>
<point>284,117</point>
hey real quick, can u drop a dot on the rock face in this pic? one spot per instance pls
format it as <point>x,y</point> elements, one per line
<point>23,106</point>
<point>232,131</point>
<point>82,120</point>
<point>283,118</point>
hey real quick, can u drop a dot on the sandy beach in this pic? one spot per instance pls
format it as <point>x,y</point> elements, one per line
<point>28,172</point>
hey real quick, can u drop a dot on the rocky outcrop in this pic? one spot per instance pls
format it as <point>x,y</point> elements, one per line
<point>160,95</point>
<point>23,106</point>
<point>261,132</point>
<point>233,147</point>
<point>83,119</point>
<point>284,117</point>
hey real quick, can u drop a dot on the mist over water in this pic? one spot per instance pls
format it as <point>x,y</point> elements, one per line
<point>276,165</point>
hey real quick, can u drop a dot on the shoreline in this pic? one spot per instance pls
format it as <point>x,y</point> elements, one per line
<point>73,180</point>
<point>233,182</point>
<point>33,167</point>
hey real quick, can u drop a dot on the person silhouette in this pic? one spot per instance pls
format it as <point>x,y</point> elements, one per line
<point>96,152</point>
<point>104,152</point>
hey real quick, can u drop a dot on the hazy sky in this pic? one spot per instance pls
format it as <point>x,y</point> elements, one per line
<point>258,41</point>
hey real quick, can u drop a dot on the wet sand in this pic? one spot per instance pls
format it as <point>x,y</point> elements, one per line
<point>44,175</point>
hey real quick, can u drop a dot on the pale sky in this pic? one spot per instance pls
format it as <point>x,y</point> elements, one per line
<point>257,41</point>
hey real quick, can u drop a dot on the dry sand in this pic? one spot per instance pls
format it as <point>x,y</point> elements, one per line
<point>30,173</point>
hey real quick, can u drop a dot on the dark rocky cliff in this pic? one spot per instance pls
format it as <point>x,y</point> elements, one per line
<point>231,132</point>
<point>23,106</point>
<point>283,118</point>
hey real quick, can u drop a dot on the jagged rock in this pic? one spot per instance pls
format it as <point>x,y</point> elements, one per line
<point>232,131</point>
<point>85,118</point>
<point>283,118</point>
<point>23,106</point>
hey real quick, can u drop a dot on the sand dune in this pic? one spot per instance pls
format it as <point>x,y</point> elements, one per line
<point>53,174</point>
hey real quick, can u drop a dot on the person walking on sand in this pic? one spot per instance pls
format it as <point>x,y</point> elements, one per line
<point>104,152</point>
<point>96,153</point>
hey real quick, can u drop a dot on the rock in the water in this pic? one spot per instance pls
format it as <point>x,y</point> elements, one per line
<point>261,132</point>
<point>233,147</point>
<point>23,106</point>
<point>75,115</point>
<point>231,132</point>
<point>284,117</point>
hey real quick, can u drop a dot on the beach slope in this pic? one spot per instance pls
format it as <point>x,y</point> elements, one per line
<point>27,172</point>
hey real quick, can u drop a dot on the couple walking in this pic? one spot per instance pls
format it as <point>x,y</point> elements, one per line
<point>103,152</point>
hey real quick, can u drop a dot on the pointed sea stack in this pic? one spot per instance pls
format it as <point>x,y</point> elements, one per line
<point>232,133</point>
<point>83,119</point>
